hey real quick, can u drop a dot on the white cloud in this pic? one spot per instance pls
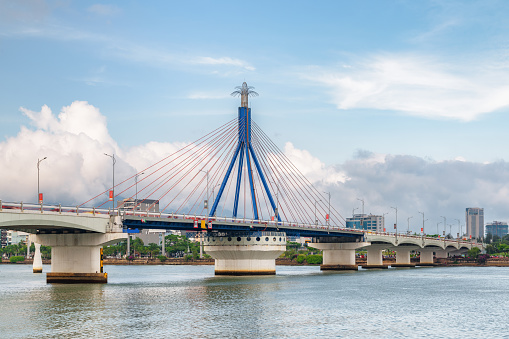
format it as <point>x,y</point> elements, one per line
<point>419,85</point>
<point>104,10</point>
<point>77,169</point>
<point>224,61</point>
<point>311,167</point>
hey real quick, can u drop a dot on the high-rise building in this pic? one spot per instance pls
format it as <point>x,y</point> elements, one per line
<point>374,223</point>
<point>497,228</point>
<point>475,222</point>
<point>3,238</point>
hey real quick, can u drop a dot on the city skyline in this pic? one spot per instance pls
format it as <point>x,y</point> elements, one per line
<point>401,104</point>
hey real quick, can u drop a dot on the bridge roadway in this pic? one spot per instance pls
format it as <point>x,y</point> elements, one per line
<point>68,228</point>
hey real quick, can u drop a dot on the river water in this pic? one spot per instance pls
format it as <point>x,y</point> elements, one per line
<point>299,302</point>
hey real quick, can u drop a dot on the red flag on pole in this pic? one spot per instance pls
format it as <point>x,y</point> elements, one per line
<point>111,195</point>
<point>326,217</point>
<point>40,198</point>
<point>422,230</point>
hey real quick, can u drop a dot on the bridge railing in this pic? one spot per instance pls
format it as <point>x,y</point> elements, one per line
<point>21,207</point>
<point>424,237</point>
<point>193,217</point>
<point>105,213</point>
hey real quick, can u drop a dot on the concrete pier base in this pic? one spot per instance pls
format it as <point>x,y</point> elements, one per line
<point>426,258</point>
<point>77,278</point>
<point>37,265</point>
<point>339,256</point>
<point>245,254</point>
<point>403,257</point>
<point>375,266</point>
<point>375,258</point>
<point>77,258</point>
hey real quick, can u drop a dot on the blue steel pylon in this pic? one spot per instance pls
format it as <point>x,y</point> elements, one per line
<point>244,147</point>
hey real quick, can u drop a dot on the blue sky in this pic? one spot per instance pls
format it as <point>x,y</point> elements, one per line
<point>342,81</point>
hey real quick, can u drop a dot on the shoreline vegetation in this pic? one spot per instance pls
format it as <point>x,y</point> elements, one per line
<point>497,262</point>
<point>182,251</point>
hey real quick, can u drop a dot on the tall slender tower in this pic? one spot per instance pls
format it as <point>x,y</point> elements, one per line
<point>244,147</point>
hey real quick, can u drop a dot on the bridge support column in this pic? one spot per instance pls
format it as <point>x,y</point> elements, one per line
<point>402,257</point>
<point>339,256</point>
<point>77,258</point>
<point>375,258</point>
<point>245,254</point>
<point>426,258</point>
<point>37,264</point>
<point>442,254</point>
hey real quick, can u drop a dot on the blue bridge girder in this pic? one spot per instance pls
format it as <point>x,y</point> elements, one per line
<point>135,222</point>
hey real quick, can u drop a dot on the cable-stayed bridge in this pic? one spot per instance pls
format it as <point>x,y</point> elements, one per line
<point>233,185</point>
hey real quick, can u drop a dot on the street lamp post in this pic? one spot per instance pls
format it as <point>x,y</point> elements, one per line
<point>38,191</point>
<point>353,211</point>
<point>408,226</point>
<point>316,220</point>
<point>396,224</point>
<point>113,188</point>
<point>362,200</point>
<point>207,200</point>
<point>383,220</point>
<point>328,219</point>
<point>445,225</point>
<point>276,212</point>
<point>213,194</point>
<point>458,227</point>
<point>136,198</point>
<point>207,207</point>
<point>422,223</point>
<point>438,223</point>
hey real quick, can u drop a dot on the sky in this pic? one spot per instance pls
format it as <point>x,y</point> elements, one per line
<point>398,103</point>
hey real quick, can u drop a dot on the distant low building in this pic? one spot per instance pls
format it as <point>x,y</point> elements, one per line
<point>497,228</point>
<point>139,205</point>
<point>374,223</point>
<point>15,237</point>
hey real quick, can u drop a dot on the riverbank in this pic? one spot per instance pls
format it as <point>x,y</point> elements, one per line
<point>495,262</point>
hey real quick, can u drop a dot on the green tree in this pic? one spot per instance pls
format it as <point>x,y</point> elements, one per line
<point>314,259</point>
<point>153,249</point>
<point>473,252</point>
<point>300,258</point>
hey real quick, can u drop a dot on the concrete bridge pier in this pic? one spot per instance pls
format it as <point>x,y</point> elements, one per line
<point>375,257</point>
<point>244,253</point>
<point>339,256</point>
<point>426,258</point>
<point>442,253</point>
<point>37,264</point>
<point>77,258</point>
<point>403,257</point>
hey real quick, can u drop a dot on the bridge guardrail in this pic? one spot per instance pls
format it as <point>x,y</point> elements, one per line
<point>52,209</point>
<point>106,213</point>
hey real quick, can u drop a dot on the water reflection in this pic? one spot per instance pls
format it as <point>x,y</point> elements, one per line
<point>188,301</point>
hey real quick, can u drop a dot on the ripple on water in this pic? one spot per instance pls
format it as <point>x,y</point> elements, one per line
<point>188,301</point>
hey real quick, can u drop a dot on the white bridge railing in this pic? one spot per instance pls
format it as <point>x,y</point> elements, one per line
<point>106,213</point>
